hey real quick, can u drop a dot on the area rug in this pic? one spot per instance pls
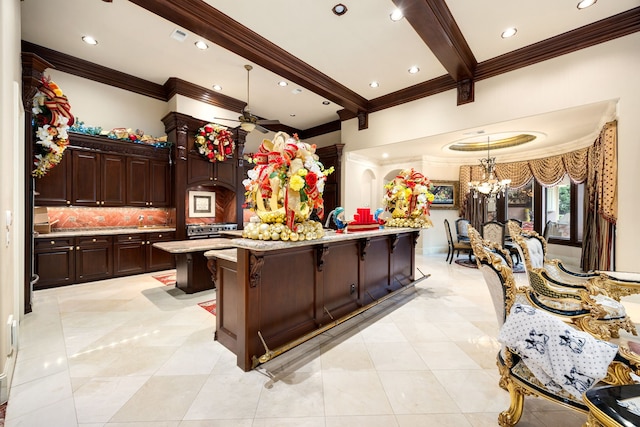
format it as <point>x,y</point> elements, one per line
<point>518,268</point>
<point>167,278</point>
<point>210,306</point>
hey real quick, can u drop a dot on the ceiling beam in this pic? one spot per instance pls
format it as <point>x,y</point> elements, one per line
<point>433,22</point>
<point>200,18</point>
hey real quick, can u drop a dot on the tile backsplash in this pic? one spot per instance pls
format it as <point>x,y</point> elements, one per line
<point>64,218</point>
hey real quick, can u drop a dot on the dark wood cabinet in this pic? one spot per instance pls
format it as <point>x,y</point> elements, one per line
<point>157,259</point>
<point>200,171</point>
<point>94,258</point>
<point>54,262</point>
<point>129,254</point>
<point>98,179</point>
<point>148,182</point>
<point>54,189</point>
<point>331,156</point>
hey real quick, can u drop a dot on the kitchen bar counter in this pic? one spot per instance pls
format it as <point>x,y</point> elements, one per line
<point>275,295</point>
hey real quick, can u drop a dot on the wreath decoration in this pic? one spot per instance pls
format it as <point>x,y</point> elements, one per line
<point>214,142</point>
<point>52,118</point>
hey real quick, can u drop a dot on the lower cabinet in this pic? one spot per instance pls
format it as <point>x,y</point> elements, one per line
<point>64,261</point>
<point>94,258</point>
<point>54,262</point>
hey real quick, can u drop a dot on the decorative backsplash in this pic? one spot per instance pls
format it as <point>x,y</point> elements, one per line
<point>63,218</point>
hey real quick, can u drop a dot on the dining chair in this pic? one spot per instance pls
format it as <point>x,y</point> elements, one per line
<point>455,247</point>
<point>461,229</point>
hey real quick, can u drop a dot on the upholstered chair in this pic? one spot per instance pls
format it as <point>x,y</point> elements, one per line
<point>533,249</point>
<point>515,376</point>
<point>461,229</point>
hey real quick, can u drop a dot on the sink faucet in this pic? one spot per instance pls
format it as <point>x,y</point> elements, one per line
<point>140,219</point>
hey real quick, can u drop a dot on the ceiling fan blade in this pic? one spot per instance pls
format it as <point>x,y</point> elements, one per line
<point>261,129</point>
<point>268,122</point>
<point>227,120</point>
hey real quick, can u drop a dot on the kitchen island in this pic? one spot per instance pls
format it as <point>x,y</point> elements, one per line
<point>192,273</point>
<point>274,295</point>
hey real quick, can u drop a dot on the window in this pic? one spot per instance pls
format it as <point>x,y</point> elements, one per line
<point>563,212</point>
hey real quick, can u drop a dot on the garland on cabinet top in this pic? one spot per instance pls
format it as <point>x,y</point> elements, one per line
<point>284,188</point>
<point>52,118</point>
<point>408,198</point>
<point>214,142</point>
<point>121,134</point>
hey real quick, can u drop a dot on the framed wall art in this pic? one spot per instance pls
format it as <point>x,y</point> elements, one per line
<point>202,204</point>
<point>445,194</point>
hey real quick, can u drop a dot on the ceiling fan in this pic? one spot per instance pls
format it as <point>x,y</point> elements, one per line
<point>247,120</point>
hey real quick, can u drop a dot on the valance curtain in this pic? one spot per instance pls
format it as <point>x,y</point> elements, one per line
<point>595,165</point>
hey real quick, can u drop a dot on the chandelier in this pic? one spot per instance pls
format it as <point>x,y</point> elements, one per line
<point>489,185</point>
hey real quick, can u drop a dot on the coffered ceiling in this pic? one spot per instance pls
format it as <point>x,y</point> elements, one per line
<point>328,61</point>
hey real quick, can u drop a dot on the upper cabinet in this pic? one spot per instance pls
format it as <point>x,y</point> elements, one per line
<point>148,183</point>
<point>201,171</point>
<point>97,171</point>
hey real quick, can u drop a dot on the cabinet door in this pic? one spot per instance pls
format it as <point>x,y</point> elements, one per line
<point>137,182</point>
<point>159,183</point>
<point>55,187</point>
<point>112,179</point>
<point>94,258</point>
<point>129,253</point>
<point>226,172</point>
<point>86,178</point>
<point>54,262</point>
<point>198,169</point>
<point>157,259</point>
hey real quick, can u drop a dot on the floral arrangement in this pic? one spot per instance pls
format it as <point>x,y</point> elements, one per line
<point>52,118</point>
<point>408,198</point>
<point>284,187</point>
<point>214,142</point>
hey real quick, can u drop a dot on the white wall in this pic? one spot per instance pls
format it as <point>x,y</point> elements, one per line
<point>12,177</point>
<point>97,104</point>
<point>603,72</point>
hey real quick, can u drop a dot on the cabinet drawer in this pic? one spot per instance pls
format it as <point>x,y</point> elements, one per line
<point>161,236</point>
<point>94,241</point>
<point>43,244</point>
<point>130,238</point>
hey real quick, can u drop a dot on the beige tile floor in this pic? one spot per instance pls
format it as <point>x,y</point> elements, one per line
<point>132,352</point>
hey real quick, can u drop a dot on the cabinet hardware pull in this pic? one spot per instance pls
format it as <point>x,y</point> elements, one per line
<point>97,203</point>
<point>102,203</point>
<point>71,248</point>
<point>94,240</point>
<point>68,202</point>
<point>159,235</point>
<point>77,248</point>
<point>143,242</point>
<point>129,237</point>
<point>150,203</point>
<point>53,242</point>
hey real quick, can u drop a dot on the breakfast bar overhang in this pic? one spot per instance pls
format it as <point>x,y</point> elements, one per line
<point>275,295</point>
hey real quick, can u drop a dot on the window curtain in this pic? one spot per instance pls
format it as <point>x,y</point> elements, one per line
<point>583,165</point>
<point>601,202</point>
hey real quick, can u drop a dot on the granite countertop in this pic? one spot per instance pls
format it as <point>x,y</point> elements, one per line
<point>196,245</point>
<point>104,231</point>
<point>330,236</point>
<point>226,254</point>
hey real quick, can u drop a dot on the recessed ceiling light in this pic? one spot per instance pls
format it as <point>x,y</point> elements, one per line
<point>292,115</point>
<point>374,84</point>
<point>201,45</point>
<point>414,69</point>
<point>282,83</point>
<point>385,155</point>
<point>217,87</point>
<point>89,40</point>
<point>296,91</point>
<point>325,103</point>
<point>509,32</point>
<point>396,15</point>
<point>339,9</point>
<point>586,3</point>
